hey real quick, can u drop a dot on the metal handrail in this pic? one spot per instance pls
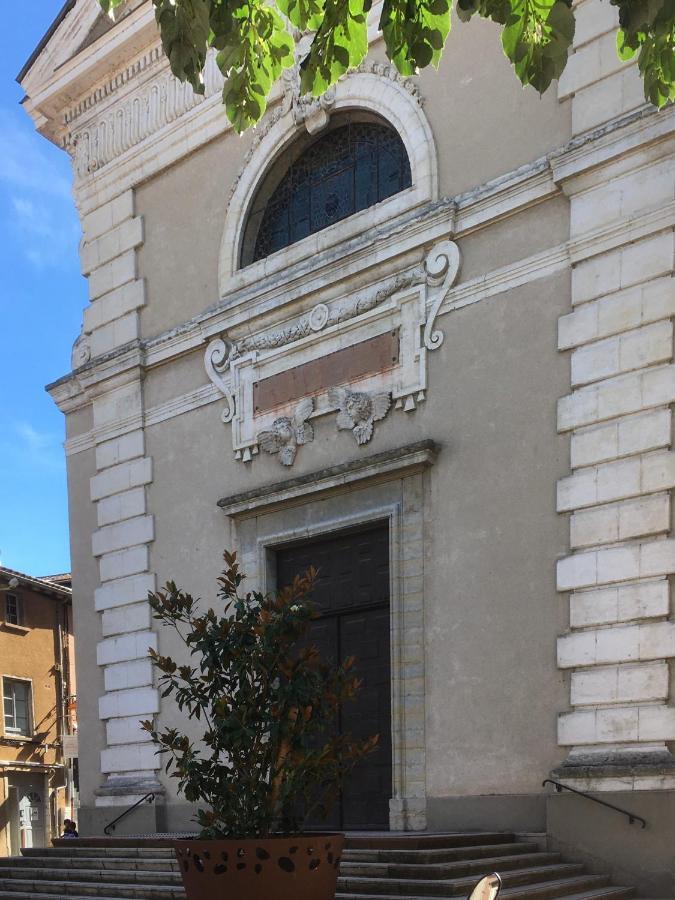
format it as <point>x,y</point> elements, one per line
<point>632,817</point>
<point>111,825</point>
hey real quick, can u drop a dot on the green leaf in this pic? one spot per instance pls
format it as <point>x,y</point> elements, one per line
<point>340,44</point>
<point>415,33</point>
<point>254,45</point>
<point>536,38</point>
<point>624,50</point>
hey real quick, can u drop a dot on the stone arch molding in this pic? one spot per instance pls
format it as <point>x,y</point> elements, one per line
<point>377,89</point>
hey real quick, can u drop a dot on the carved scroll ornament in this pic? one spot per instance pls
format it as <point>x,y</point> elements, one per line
<point>442,267</point>
<point>217,362</point>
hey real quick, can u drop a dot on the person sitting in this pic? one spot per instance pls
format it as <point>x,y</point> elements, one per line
<point>69,829</point>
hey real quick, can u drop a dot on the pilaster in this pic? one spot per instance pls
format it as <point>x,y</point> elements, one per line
<point>621,641</point>
<point>112,234</point>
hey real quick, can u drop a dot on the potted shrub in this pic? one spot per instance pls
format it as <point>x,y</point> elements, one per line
<point>269,756</point>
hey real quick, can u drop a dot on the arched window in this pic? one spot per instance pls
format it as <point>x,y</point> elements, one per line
<point>349,168</point>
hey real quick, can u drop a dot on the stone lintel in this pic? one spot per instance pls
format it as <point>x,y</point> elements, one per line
<point>378,467</point>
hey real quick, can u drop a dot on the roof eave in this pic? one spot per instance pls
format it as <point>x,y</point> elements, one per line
<point>30,62</point>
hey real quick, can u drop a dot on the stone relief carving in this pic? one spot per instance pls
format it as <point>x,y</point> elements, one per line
<point>442,267</point>
<point>217,362</point>
<point>313,112</point>
<point>358,411</point>
<point>407,305</point>
<point>81,353</point>
<point>323,316</point>
<point>153,105</point>
<point>287,434</point>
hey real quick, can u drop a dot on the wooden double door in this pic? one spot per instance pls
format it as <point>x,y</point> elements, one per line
<point>352,597</point>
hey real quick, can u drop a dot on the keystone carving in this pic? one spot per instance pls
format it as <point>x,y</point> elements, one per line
<point>287,434</point>
<point>81,352</point>
<point>359,411</point>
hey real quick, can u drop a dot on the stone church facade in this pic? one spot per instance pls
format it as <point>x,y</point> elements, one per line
<point>454,387</point>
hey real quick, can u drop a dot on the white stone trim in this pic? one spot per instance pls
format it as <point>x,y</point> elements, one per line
<point>642,600</point>
<point>121,477</point>
<point>617,479</point>
<point>622,521</point>
<point>627,683</point>
<point>625,643</point>
<point>121,591</point>
<point>123,619</point>
<point>618,312</point>
<point>132,702</point>
<point>617,725</point>
<point>119,535</point>
<point>621,184</point>
<point>381,94</point>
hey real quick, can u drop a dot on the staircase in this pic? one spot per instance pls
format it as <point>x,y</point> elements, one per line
<point>374,867</point>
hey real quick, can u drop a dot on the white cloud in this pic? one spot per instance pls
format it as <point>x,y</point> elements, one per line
<point>36,206</point>
<point>48,235</point>
<point>32,448</point>
<point>24,164</point>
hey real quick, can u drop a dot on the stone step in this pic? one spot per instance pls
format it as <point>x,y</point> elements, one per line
<point>72,888</point>
<point>108,876</point>
<point>21,895</point>
<point>562,888</point>
<point>374,867</point>
<point>449,854</point>
<point>84,852</point>
<point>446,870</point>
<point>84,863</point>
<point>584,886</point>
<point>605,893</point>
<point>415,841</point>
<point>452,887</point>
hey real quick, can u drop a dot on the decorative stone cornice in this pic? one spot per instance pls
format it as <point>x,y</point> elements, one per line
<point>153,104</point>
<point>377,467</point>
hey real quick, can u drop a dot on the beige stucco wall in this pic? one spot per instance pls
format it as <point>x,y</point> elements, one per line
<point>493,689</point>
<point>184,211</point>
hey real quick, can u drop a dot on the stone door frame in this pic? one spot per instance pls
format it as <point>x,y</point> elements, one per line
<point>264,524</point>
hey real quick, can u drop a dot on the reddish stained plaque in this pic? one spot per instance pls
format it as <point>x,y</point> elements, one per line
<point>342,367</point>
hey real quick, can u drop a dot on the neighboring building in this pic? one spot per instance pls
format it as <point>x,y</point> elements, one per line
<point>38,728</point>
<point>345,339</point>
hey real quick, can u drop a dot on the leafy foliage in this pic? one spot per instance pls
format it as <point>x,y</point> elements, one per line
<point>268,756</point>
<point>257,39</point>
<point>648,28</point>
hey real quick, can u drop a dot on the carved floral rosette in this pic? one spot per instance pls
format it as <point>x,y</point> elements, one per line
<point>405,306</point>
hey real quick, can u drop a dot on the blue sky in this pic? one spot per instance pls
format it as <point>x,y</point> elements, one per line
<point>42,295</point>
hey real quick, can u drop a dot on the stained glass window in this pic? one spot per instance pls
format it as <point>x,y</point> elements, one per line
<point>346,170</point>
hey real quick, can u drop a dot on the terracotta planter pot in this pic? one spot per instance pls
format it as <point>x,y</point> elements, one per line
<point>303,867</point>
